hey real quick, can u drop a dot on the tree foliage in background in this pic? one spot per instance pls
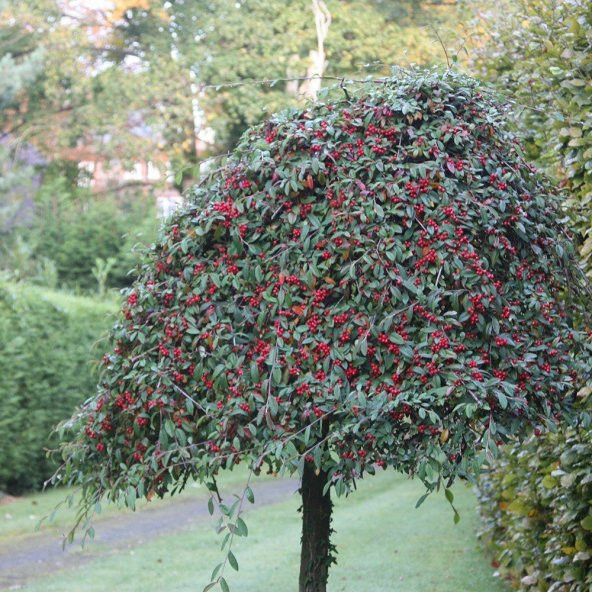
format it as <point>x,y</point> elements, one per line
<point>372,281</point>
<point>50,101</point>
<point>79,96</point>
<point>70,228</point>
<point>46,344</point>
<point>130,81</point>
<point>228,42</point>
<point>21,61</point>
<point>541,52</point>
<point>21,64</point>
<point>74,229</point>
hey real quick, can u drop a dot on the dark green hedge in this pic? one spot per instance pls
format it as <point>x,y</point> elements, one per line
<point>46,347</point>
<point>536,506</point>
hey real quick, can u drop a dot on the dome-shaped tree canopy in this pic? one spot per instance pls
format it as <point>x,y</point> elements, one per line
<point>377,280</point>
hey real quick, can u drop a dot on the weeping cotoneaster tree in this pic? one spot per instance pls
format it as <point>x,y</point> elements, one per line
<point>378,280</point>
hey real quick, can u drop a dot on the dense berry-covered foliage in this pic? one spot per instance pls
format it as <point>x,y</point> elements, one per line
<point>372,281</point>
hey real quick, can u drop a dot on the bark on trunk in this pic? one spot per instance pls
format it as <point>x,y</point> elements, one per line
<point>316,553</point>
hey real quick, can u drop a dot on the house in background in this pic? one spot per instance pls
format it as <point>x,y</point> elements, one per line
<point>151,177</point>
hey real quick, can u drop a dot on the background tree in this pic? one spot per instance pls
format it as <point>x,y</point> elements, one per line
<point>53,100</point>
<point>208,46</point>
<point>45,340</point>
<point>158,63</point>
<point>21,64</point>
<point>535,507</point>
<point>373,281</point>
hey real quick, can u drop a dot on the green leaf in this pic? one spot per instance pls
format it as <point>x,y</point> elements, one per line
<point>364,347</point>
<point>232,560</point>
<point>421,500</point>
<point>277,375</point>
<point>216,572</point>
<point>169,427</point>
<point>241,527</point>
<point>586,523</point>
<point>130,498</point>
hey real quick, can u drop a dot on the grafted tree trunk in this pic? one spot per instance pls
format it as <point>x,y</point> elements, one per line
<point>316,554</point>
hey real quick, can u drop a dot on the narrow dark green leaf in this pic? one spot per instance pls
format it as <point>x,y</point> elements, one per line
<point>232,560</point>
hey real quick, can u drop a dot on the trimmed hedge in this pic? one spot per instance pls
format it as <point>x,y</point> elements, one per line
<point>46,344</point>
<point>536,506</point>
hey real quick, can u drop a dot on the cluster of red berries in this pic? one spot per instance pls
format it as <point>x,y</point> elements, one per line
<point>323,349</point>
<point>320,296</point>
<point>313,323</point>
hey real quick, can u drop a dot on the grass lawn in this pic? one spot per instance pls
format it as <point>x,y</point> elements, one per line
<point>20,518</point>
<point>384,544</point>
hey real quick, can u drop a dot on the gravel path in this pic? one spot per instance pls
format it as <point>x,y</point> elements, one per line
<point>42,554</point>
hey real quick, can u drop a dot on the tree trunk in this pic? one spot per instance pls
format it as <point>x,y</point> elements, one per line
<point>322,16</point>
<point>316,554</point>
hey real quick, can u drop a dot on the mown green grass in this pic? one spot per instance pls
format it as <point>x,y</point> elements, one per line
<point>31,514</point>
<point>384,544</point>
<point>67,300</point>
